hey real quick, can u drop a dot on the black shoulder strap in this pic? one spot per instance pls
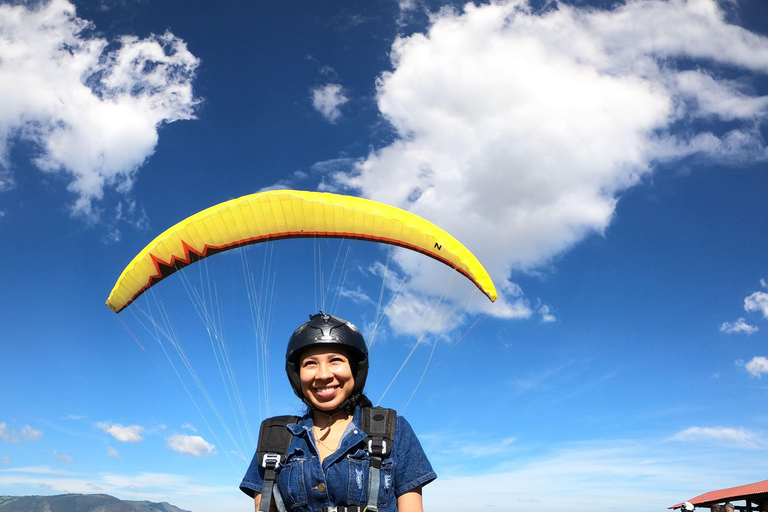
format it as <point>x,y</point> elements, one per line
<point>274,441</point>
<point>274,438</point>
<point>378,423</point>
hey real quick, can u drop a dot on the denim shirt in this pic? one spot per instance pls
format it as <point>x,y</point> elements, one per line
<point>344,473</point>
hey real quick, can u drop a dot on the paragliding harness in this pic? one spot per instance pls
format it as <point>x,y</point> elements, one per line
<point>378,423</point>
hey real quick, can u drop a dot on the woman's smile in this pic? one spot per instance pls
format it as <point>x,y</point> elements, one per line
<point>326,392</point>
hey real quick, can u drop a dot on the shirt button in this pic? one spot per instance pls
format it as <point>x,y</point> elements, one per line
<point>321,487</point>
<point>355,431</point>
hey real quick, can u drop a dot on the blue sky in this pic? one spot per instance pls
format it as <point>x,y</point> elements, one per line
<point>606,161</point>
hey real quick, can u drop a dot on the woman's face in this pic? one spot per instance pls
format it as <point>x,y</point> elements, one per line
<point>326,377</point>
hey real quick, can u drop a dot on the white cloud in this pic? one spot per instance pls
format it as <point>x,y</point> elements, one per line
<point>719,98</point>
<point>327,100</point>
<point>38,470</point>
<point>63,458</point>
<point>757,366</point>
<point>75,417</point>
<point>27,433</point>
<point>588,477</point>
<point>418,306</point>
<point>93,112</point>
<point>517,131</point>
<point>452,444</point>
<point>737,437</point>
<point>129,434</point>
<point>195,446</point>
<point>357,296</point>
<point>187,426</point>
<point>111,452</point>
<point>407,5</point>
<point>758,301</point>
<point>546,314</point>
<point>6,459</point>
<point>738,326</point>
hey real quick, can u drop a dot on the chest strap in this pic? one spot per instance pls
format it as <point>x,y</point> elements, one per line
<point>355,508</point>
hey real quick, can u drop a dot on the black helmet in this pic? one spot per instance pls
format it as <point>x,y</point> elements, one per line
<point>325,329</point>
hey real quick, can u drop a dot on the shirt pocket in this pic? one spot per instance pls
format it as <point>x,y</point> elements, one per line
<point>359,465</point>
<point>291,482</point>
<point>387,485</point>
<point>359,473</point>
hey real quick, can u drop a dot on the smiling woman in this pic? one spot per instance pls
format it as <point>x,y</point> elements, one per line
<point>343,453</point>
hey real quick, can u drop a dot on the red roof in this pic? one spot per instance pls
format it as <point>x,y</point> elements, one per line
<point>732,493</point>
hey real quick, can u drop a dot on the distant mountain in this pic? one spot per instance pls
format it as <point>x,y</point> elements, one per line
<point>80,503</point>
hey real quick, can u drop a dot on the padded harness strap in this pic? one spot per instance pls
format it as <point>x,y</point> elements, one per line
<point>379,424</point>
<point>274,440</point>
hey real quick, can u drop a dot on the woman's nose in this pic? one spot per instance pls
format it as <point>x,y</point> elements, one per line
<point>324,371</point>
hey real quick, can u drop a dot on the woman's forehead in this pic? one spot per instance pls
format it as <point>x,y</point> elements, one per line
<point>323,350</point>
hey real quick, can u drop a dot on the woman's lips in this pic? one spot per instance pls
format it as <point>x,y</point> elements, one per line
<point>326,392</point>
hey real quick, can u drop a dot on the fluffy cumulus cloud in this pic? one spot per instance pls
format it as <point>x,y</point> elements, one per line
<point>129,434</point>
<point>195,446</point>
<point>91,107</point>
<point>739,326</point>
<point>26,433</point>
<point>737,437</point>
<point>517,129</point>
<point>757,366</point>
<point>758,301</point>
<point>328,99</point>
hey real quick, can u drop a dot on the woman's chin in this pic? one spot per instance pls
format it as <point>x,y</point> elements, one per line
<point>327,404</point>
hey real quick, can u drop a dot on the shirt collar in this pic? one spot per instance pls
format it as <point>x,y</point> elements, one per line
<point>352,436</point>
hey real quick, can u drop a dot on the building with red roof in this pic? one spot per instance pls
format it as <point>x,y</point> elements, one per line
<point>754,496</point>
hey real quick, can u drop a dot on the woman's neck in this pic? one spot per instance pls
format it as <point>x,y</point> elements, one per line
<point>324,420</point>
<point>328,429</point>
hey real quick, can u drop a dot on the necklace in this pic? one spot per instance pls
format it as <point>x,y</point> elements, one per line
<point>326,446</point>
<point>326,434</point>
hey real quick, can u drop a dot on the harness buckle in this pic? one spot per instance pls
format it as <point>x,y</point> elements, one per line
<point>270,460</point>
<point>377,446</point>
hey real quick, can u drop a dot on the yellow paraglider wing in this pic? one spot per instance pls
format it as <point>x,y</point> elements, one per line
<point>289,214</point>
